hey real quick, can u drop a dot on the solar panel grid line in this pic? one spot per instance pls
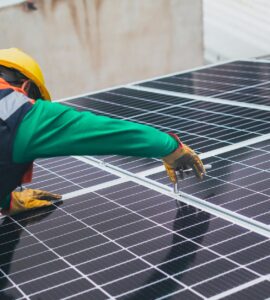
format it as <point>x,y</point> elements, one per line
<point>135,161</point>
<point>241,90</point>
<point>176,106</point>
<point>257,215</point>
<point>221,113</point>
<point>189,199</point>
<point>81,170</point>
<point>244,67</point>
<point>72,167</point>
<point>216,152</point>
<point>191,114</point>
<point>75,296</point>
<point>236,146</point>
<point>201,264</point>
<point>223,77</point>
<point>61,258</point>
<point>200,98</point>
<point>59,285</point>
<point>212,177</point>
<point>188,79</point>
<point>243,60</point>
<point>137,256</point>
<point>161,225</point>
<point>58,175</point>
<point>237,199</point>
<point>39,265</point>
<point>237,289</point>
<point>122,277</point>
<point>253,173</point>
<point>246,165</point>
<point>203,122</point>
<point>224,273</point>
<point>52,164</point>
<point>46,240</point>
<point>120,93</point>
<point>143,111</point>
<point>91,180</point>
<point>122,105</point>
<point>176,84</point>
<point>146,285</point>
<point>52,160</point>
<point>246,207</point>
<point>182,131</point>
<point>41,181</point>
<point>181,72</point>
<point>113,183</point>
<point>215,91</point>
<point>51,229</point>
<point>84,191</point>
<point>122,215</point>
<point>158,97</point>
<point>15,285</point>
<point>227,67</point>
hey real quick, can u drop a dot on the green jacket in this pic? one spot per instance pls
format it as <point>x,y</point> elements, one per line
<point>52,129</point>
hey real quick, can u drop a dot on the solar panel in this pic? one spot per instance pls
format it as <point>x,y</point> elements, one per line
<point>120,233</point>
<point>145,247</point>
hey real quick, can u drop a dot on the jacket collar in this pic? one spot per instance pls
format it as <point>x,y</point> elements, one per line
<point>5,85</point>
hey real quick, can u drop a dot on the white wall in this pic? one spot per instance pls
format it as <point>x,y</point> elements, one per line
<point>85,45</point>
<point>236,28</point>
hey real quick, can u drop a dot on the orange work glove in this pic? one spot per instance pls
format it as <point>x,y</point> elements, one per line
<point>181,159</point>
<point>30,199</point>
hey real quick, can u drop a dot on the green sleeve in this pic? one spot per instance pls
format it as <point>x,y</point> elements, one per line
<point>52,129</point>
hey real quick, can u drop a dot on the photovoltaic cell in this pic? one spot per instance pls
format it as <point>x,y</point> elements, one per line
<point>129,242</point>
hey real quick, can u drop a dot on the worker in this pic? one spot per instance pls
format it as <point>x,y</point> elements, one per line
<point>33,127</point>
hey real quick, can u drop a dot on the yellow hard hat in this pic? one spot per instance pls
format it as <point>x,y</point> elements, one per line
<point>17,59</point>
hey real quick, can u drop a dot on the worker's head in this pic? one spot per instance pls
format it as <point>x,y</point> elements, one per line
<point>21,70</point>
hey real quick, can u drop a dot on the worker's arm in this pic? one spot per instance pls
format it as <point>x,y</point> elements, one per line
<point>52,129</point>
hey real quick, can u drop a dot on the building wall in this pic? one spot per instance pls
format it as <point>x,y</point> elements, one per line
<point>236,29</point>
<point>86,45</point>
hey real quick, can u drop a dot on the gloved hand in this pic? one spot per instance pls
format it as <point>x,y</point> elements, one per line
<point>181,159</point>
<point>30,199</point>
